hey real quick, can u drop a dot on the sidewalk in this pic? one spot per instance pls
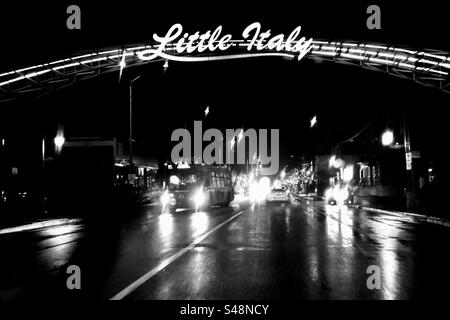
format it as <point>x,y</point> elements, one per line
<point>39,224</point>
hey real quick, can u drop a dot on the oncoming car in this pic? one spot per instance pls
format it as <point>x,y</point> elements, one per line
<point>339,194</point>
<point>278,195</point>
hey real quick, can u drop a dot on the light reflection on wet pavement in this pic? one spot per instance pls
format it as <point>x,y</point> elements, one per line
<point>305,250</point>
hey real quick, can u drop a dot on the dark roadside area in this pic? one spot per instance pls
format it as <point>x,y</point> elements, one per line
<point>90,224</point>
<point>430,203</point>
<point>90,206</point>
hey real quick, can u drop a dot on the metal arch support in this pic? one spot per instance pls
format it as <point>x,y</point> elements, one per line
<point>427,67</point>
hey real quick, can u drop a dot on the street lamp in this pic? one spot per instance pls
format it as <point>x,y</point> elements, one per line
<point>59,141</point>
<point>387,138</point>
<point>313,122</point>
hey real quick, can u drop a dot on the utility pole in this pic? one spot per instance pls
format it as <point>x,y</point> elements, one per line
<point>410,187</point>
<point>44,200</point>
<point>131,125</point>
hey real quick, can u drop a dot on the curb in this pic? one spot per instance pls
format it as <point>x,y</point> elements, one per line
<point>39,225</point>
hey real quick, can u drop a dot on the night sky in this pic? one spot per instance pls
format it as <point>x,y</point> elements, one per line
<point>257,93</point>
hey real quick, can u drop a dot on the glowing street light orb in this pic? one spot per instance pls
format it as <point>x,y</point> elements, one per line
<point>59,141</point>
<point>313,121</point>
<point>174,180</point>
<point>387,138</point>
<point>166,65</point>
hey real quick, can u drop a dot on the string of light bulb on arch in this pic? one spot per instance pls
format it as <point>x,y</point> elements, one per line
<point>317,50</point>
<point>433,64</point>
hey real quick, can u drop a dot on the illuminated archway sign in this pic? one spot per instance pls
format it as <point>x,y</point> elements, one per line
<point>427,67</point>
<point>252,38</point>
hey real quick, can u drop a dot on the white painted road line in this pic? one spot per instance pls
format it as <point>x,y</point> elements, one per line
<point>139,282</point>
<point>39,225</point>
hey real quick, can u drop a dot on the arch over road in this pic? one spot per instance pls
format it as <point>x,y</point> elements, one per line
<point>427,67</point>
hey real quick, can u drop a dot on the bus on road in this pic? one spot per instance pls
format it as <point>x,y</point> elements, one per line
<point>196,187</point>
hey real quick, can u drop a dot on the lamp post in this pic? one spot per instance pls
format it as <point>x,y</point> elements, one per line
<point>2,170</point>
<point>44,187</point>
<point>131,120</point>
<point>387,139</point>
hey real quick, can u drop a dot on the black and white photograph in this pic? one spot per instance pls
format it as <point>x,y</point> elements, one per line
<point>242,153</point>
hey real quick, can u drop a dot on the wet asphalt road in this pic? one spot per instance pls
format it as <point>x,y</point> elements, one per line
<point>302,250</point>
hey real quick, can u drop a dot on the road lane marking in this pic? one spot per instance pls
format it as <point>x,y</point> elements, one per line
<point>139,282</point>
